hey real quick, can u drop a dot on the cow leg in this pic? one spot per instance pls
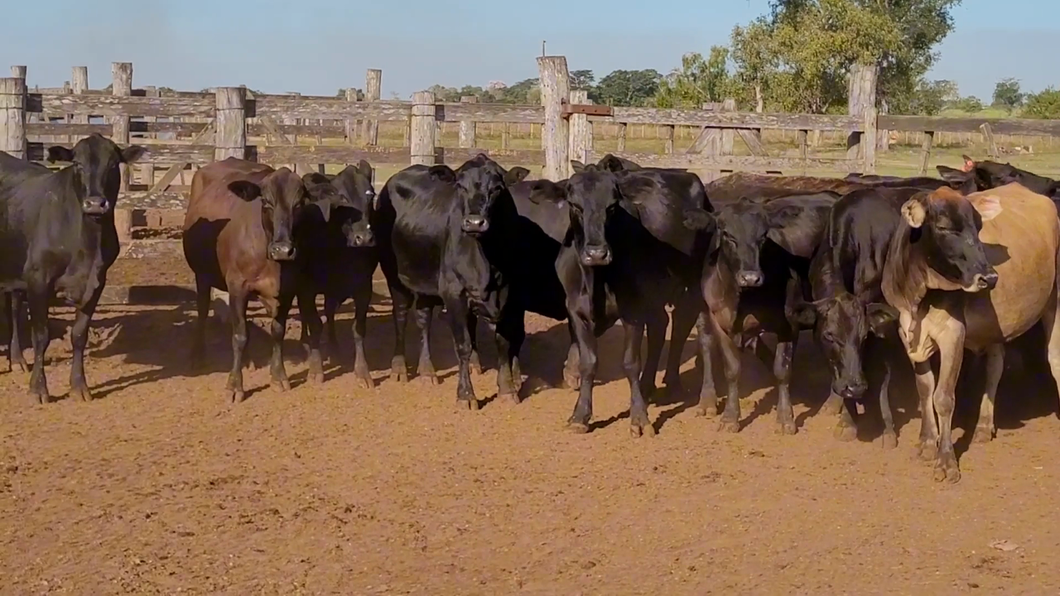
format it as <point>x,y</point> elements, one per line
<point>708,394</point>
<point>730,351</point>
<point>472,330</point>
<point>583,409</point>
<point>782,371</point>
<point>14,350</point>
<point>400,300</point>
<point>684,316</point>
<point>362,296</point>
<point>890,437</point>
<point>511,332</point>
<point>313,329</point>
<point>237,301</point>
<point>78,341</point>
<point>202,308</point>
<point>38,295</point>
<point>995,366</point>
<point>331,304</point>
<point>571,374</point>
<point>927,444</point>
<point>833,406</point>
<point>424,317</point>
<point>465,392</point>
<point>946,467</point>
<point>631,364</point>
<point>649,369</point>
<point>1051,324</point>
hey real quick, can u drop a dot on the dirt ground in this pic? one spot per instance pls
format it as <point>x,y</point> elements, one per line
<point>159,486</point>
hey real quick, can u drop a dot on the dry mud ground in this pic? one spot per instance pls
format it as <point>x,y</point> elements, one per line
<point>159,486</point>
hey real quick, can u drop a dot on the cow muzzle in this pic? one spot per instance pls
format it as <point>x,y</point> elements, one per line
<point>281,251</point>
<point>596,255</point>
<point>749,279</point>
<point>361,239</point>
<point>94,205</point>
<point>982,281</point>
<point>853,390</point>
<point>475,224</point>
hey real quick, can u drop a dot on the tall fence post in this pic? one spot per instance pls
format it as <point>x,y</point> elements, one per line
<point>230,123</point>
<point>421,135</point>
<point>373,85</point>
<point>467,127</point>
<point>78,86</point>
<point>580,133</point>
<point>122,73</point>
<point>861,96</point>
<point>351,123</point>
<point>868,143</point>
<point>13,116</point>
<point>555,90</point>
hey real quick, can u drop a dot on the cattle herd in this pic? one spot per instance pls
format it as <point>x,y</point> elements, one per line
<point>967,261</point>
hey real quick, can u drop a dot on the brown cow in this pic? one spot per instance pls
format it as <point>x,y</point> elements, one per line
<point>1004,240</point>
<point>240,236</point>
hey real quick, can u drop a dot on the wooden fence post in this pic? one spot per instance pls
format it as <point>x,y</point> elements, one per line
<point>861,96</point>
<point>925,150</point>
<point>122,73</point>
<point>580,133</point>
<point>868,144</point>
<point>230,123</point>
<point>351,123</point>
<point>555,90</point>
<point>467,127</point>
<point>373,84</point>
<point>422,129</point>
<point>728,135</point>
<point>13,116</point>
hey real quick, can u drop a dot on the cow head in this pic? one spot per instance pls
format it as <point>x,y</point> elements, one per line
<point>357,201</point>
<point>741,230</point>
<point>946,225</point>
<point>479,182</point>
<point>95,169</point>
<point>283,197</point>
<point>841,324</point>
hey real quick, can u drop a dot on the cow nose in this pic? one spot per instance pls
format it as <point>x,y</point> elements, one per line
<point>988,281</point>
<point>853,390</point>
<point>363,239</point>
<point>597,255</point>
<point>475,223</point>
<point>749,279</point>
<point>94,205</point>
<point>281,251</point>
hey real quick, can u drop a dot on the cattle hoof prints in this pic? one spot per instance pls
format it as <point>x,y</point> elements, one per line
<point>889,441</point>
<point>845,433</point>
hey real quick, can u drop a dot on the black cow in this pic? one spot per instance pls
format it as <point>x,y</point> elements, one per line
<point>848,312</point>
<point>754,273</point>
<point>430,222</point>
<point>985,175</point>
<point>57,234</point>
<point>339,256</point>
<point>13,311</point>
<point>625,242</point>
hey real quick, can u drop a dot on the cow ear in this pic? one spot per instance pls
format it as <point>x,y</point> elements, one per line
<point>132,153</point>
<point>365,168</point>
<point>913,212</point>
<point>577,166</point>
<point>988,206</point>
<point>969,163</point>
<point>314,178</point>
<point>635,188</point>
<point>700,220</point>
<point>515,175</point>
<point>546,191</point>
<point>325,208</point>
<point>805,314</point>
<point>59,153</point>
<point>880,316</point>
<point>784,216</point>
<point>442,173</point>
<point>244,189</point>
<point>952,175</point>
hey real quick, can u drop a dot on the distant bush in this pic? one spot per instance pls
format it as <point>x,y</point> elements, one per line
<point>1045,105</point>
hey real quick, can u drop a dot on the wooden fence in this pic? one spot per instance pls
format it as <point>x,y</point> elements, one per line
<point>182,131</point>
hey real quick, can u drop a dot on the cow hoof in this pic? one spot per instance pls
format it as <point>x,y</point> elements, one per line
<point>427,379</point>
<point>578,428</point>
<point>39,398</point>
<point>832,406</point>
<point>236,396</point>
<point>399,376</point>
<point>19,366</point>
<point>704,411</point>
<point>637,430</point>
<point>316,378</point>
<point>889,440</point>
<point>729,426</point>
<point>365,381</point>
<point>475,364</point>
<point>281,384</point>
<point>513,397</point>
<point>467,404</point>
<point>786,428</point>
<point>845,433</point>
<point>946,470</point>
<point>82,393</point>
<point>983,434</point>
<point>927,451</point>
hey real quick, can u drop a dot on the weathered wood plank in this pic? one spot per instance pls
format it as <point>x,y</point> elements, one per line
<point>1012,126</point>
<point>731,162</point>
<point>732,120</point>
<point>153,200</point>
<point>453,155</point>
<point>110,105</point>
<point>277,154</point>
<point>330,108</point>
<point>156,154</point>
<point>490,112</point>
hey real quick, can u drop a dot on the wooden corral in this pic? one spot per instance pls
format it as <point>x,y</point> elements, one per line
<point>185,130</point>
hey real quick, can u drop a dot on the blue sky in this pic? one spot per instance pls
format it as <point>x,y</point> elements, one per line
<point>323,45</point>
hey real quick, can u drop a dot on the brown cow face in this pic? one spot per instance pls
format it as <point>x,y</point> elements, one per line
<point>841,326</point>
<point>948,226</point>
<point>95,170</point>
<point>283,197</point>
<point>479,182</point>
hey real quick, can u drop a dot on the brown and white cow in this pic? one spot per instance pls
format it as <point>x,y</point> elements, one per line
<point>999,247</point>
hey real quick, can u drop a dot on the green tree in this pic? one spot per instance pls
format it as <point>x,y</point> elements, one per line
<point>970,104</point>
<point>1007,94</point>
<point>1045,104</point>
<point>626,88</point>
<point>582,79</point>
<point>755,57</point>
<point>930,97</point>
<point>699,80</point>
<point>522,92</point>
